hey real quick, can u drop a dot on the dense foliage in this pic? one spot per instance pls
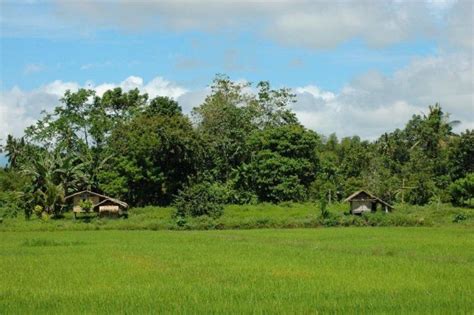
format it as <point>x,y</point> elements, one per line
<point>198,199</point>
<point>245,139</point>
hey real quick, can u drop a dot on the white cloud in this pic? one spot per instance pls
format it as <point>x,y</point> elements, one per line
<point>19,109</point>
<point>373,103</point>
<point>162,87</point>
<point>191,99</point>
<point>58,88</point>
<point>460,25</point>
<point>316,92</point>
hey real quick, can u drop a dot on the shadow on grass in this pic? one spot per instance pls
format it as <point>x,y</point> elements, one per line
<point>85,218</point>
<point>44,242</point>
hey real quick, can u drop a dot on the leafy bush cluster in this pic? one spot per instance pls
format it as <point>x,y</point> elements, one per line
<point>462,190</point>
<point>200,199</point>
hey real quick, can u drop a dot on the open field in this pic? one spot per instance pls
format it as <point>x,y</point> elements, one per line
<point>264,215</point>
<point>345,270</point>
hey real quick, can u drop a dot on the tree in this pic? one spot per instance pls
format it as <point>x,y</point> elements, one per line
<point>45,187</point>
<point>273,106</point>
<point>461,154</point>
<point>283,163</point>
<point>12,185</point>
<point>462,190</point>
<point>152,157</point>
<point>224,122</point>
<point>199,199</point>
<point>419,174</point>
<point>15,151</point>
<point>162,105</point>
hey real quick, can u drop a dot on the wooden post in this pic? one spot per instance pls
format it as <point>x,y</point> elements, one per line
<point>403,190</point>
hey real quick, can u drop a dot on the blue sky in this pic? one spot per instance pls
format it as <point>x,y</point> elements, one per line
<point>357,67</point>
<point>193,58</point>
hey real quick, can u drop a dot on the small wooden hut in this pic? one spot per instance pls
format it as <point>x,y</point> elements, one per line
<point>363,201</point>
<point>101,204</point>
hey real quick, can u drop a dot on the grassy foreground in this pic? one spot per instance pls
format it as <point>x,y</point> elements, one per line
<point>344,270</point>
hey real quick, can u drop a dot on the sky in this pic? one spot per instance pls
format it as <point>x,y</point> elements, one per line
<point>356,67</point>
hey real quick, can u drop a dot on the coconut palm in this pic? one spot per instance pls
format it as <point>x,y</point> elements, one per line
<point>52,175</point>
<point>14,149</point>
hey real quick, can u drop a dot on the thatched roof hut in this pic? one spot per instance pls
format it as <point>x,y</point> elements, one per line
<point>363,201</point>
<point>99,203</point>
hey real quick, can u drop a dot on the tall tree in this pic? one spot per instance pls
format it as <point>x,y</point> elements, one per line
<point>152,158</point>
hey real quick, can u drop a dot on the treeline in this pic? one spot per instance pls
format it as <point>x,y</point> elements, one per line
<point>242,145</point>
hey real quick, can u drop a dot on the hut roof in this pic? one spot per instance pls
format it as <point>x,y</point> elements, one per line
<point>357,193</point>
<point>116,201</point>
<point>119,202</point>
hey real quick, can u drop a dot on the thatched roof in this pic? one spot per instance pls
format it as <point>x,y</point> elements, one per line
<point>119,202</point>
<point>116,201</point>
<point>372,196</point>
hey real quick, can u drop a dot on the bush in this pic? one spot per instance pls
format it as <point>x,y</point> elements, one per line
<point>203,223</point>
<point>231,194</point>
<point>323,207</point>
<point>462,190</point>
<point>199,199</point>
<point>375,219</point>
<point>459,218</point>
<point>38,210</point>
<point>9,204</point>
<point>86,205</point>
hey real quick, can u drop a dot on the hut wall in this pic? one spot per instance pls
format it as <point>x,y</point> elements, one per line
<point>77,200</point>
<point>109,208</point>
<point>360,206</point>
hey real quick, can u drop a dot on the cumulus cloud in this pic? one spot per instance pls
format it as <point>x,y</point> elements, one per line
<point>374,103</point>
<point>20,108</point>
<point>460,25</point>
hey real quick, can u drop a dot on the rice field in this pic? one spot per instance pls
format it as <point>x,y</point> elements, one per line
<point>324,270</point>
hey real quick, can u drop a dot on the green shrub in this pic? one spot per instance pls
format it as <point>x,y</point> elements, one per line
<point>180,221</point>
<point>199,199</point>
<point>262,222</point>
<point>202,223</point>
<point>375,219</point>
<point>462,190</point>
<point>38,210</point>
<point>9,204</point>
<point>86,205</point>
<point>323,206</point>
<point>352,220</point>
<point>330,221</point>
<point>459,218</point>
<point>45,217</point>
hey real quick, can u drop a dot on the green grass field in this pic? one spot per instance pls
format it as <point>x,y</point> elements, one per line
<point>265,215</point>
<point>343,270</point>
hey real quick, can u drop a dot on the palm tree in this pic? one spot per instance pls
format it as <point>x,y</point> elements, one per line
<point>14,148</point>
<point>440,126</point>
<point>46,188</point>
